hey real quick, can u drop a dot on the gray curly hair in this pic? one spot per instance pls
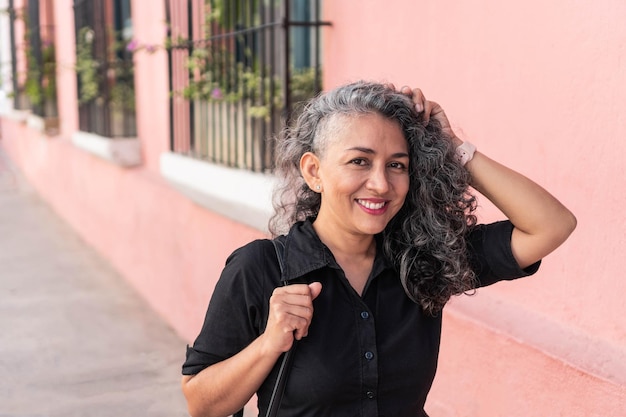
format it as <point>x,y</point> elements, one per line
<point>426,240</point>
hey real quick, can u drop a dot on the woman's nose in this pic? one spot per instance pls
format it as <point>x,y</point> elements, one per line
<point>378,181</point>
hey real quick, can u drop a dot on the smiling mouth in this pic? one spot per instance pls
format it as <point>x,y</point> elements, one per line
<point>371,205</point>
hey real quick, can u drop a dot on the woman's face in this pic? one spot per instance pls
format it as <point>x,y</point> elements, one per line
<point>364,174</point>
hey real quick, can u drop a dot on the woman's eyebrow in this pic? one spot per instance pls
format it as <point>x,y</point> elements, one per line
<point>372,151</point>
<point>361,149</point>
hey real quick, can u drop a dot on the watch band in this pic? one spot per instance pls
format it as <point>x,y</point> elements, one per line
<point>465,152</point>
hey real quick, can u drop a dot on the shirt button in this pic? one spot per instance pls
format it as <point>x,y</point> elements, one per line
<point>370,394</point>
<point>365,315</point>
<point>369,356</point>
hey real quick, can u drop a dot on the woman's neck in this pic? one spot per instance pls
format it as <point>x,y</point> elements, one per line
<point>354,253</point>
<point>344,244</point>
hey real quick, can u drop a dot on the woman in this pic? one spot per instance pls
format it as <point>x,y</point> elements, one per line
<point>381,235</point>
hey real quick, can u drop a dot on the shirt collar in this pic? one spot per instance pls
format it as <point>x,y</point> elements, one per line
<point>305,252</point>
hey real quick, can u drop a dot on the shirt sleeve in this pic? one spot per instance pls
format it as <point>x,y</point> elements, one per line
<point>238,309</point>
<point>491,255</point>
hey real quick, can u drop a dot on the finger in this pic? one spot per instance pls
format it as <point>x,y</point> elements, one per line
<point>302,299</point>
<point>287,309</point>
<point>428,111</point>
<point>295,289</point>
<point>419,100</point>
<point>287,322</point>
<point>291,308</point>
<point>316,289</point>
<point>406,90</point>
<point>296,321</point>
<point>292,314</point>
<point>436,112</point>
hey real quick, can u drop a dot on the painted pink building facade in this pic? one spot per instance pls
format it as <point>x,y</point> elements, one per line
<point>539,86</point>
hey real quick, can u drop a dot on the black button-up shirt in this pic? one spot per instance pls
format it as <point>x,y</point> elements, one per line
<point>371,355</point>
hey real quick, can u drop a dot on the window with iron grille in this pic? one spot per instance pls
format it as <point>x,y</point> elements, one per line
<point>237,70</point>
<point>33,57</point>
<point>104,67</point>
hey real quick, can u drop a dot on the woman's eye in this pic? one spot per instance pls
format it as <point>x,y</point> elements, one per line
<point>358,161</point>
<point>397,165</point>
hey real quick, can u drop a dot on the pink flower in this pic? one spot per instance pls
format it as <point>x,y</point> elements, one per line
<point>132,45</point>
<point>217,94</point>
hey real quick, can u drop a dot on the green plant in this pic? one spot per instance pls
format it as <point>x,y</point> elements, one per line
<point>40,83</point>
<point>221,73</point>
<point>49,83</point>
<point>122,92</point>
<point>86,66</point>
<point>216,77</point>
<point>303,83</point>
<point>120,71</point>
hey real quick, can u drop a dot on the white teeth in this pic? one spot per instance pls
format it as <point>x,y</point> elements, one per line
<point>370,205</point>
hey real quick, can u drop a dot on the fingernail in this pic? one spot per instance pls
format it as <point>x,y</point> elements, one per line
<point>419,107</point>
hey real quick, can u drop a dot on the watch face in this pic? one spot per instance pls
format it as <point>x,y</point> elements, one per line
<point>465,152</point>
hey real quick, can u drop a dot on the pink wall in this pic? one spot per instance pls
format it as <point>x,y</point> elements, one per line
<point>152,86</point>
<point>540,86</point>
<point>65,42</point>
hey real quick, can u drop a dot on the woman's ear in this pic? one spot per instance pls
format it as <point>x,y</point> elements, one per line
<point>309,168</point>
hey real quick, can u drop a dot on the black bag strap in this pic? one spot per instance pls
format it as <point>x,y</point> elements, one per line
<point>281,379</point>
<point>279,247</point>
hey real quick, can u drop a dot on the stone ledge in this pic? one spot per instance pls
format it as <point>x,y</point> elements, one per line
<point>20,116</point>
<point>237,194</point>
<point>124,152</point>
<point>45,125</point>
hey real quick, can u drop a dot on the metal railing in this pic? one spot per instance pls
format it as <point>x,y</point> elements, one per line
<point>105,71</point>
<point>237,67</point>
<point>33,59</point>
<point>20,102</point>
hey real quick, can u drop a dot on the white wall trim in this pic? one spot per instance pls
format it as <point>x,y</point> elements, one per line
<point>237,194</point>
<point>46,125</point>
<point>20,116</point>
<point>35,122</point>
<point>125,152</point>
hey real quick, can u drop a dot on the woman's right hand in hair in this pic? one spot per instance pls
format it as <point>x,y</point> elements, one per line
<point>290,315</point>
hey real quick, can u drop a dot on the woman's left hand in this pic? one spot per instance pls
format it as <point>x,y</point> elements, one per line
<point>430,109</point>
<point>541,222</point>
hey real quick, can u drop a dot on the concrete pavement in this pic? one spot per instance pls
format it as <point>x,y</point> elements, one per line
<point>75,340</point>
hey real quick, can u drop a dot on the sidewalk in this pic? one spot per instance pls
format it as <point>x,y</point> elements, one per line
<point>75,340</point>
